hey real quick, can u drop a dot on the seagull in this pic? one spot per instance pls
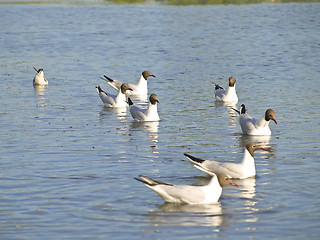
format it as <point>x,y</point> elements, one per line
<point>145,115</point>
<point>254,126</point>
<point>228,95</point>
<point>189,194</point>
<point>242,170</point>
<point>114,101</point>
<point>39,79</point>
<point>137,89</point>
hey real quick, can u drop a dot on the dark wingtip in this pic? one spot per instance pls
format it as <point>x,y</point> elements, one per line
<point>37,70</point>
<point>100,90</point>
<point>192,158</point>
<point>107,78</point>
<point>130,102</point>
<point>217,86</point>
<point>140,180</point>
<point>243,109</point>
<point>236,110</point>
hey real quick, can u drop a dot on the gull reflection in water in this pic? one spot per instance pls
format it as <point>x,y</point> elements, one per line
<point>151,128</point>
<point>262,141</point>
<point>40,92</point>
<point>121,112</point>
<point>231,113</point>
<point>247,195</point>
<point>187,215</point>
<point>142,99</point>
<point>247,187</point>
<point>40,89</point>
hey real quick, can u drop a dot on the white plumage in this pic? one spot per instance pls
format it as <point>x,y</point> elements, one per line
<point>229,95</point>
<point>114,101</point>
<point>144,115</point>
<point>189,194</point>
<point>254,126</point>
<point>141,88</point>
<point>244,169</point>
<point>39,78</point>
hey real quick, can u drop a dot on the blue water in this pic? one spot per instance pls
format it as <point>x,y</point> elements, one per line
<point>67,164</point>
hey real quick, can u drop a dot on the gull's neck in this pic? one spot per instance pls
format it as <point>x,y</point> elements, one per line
<point>262,123</point>
<point>215,189</point>
<point>231,91</point>
<point>152,111</point>
<point>142,85</point>
<point>248,162</point>
<point>120,97</point>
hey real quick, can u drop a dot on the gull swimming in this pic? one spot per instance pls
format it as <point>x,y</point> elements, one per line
<point>207,194</point>
<point>255,126</point>
<point>114,101</point>
<point>228,95</point>
<point>145,115</point>
<point>245,169</point>
<point>39,78</point>
<point>141,88</point>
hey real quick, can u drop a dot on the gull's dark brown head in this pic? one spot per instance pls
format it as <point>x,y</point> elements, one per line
<point>270,115</point>
<point>147,74</point>
<point>232,81</point>
<point>125,87</point>
<point>153,99</point>
<point>252,147</point>
<point>224,180</point>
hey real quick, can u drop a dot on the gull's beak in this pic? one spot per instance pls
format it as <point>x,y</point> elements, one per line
<point>234,184</point>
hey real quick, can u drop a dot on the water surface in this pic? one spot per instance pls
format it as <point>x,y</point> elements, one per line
<point>67,163</point>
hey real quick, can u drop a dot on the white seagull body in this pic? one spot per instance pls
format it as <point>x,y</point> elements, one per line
<point>245,169</point>
<point>189,194</point>
<point>145,115</point>
<point>114,101</point>
<point>229,95</point>
<point>254,126</point>
<point>141,88</point>
<point>39,79</point>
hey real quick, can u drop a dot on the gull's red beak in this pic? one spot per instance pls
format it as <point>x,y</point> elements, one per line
<point>234,184</point>
<point>262,149</point>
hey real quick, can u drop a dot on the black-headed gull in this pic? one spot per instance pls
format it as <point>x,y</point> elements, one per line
<point>189,194</point>
<point>145,115</point>
<point>137,89</point>
<point>254,126</point>
<point>39,79</point>
<point>114,101</point>
<point>229,95</point>
<point>242,170</point>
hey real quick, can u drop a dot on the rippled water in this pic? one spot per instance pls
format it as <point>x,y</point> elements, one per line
<point>67,164</point>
